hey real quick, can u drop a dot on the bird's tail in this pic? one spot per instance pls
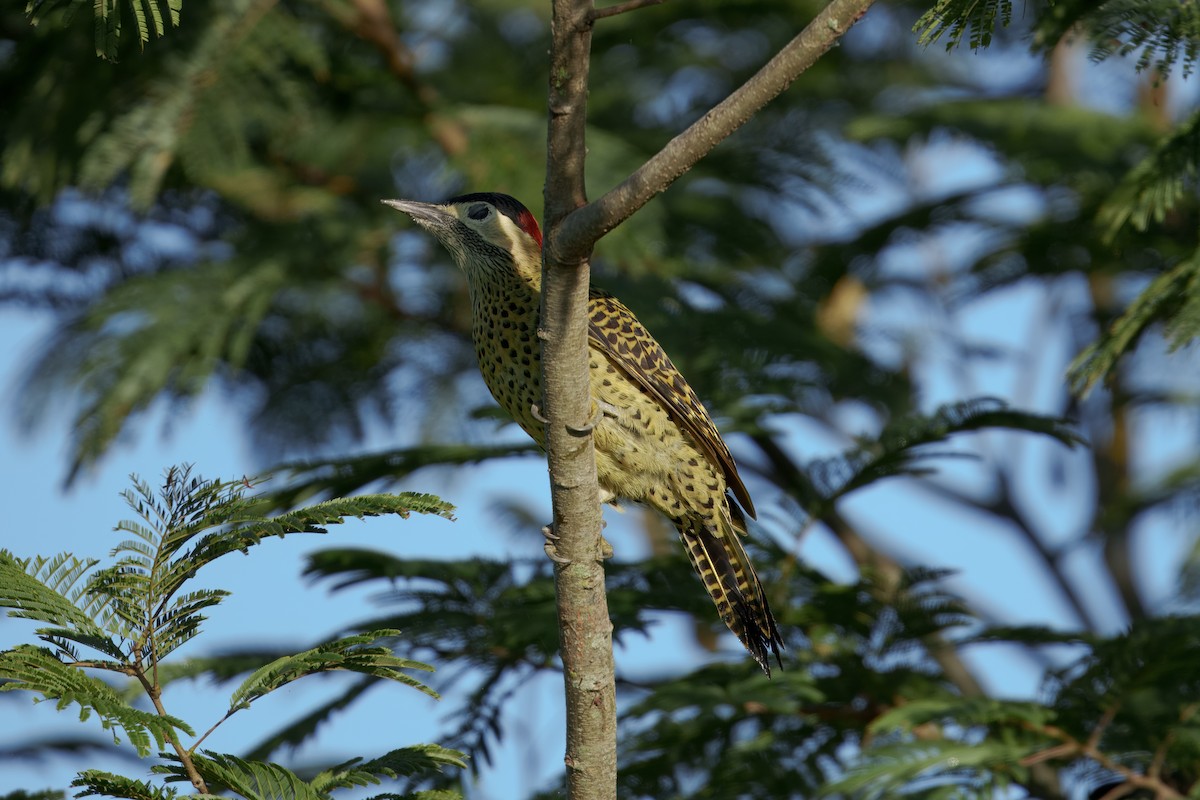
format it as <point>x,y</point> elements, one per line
<point>727,574</point>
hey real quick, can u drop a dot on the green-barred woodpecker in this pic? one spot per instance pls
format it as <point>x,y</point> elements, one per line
<point>655,441</point>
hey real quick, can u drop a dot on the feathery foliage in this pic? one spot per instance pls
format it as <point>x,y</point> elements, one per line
<point>900,447</point>
<point>351,654</point>
<point>1158,184</point>
<point>1172,298</point>
<point>135,613</point>
<point>1161,33</point>
<point>146,14</point>
<point>41,670</point>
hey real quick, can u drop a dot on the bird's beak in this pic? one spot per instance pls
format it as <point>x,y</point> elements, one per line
<point>428,215</point>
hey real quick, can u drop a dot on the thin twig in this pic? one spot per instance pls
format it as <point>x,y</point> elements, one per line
<point>622,8</point>
<point>154,692</point>
<point>1102,724</point>
<point>1072,747</point>
<point>215,725</point>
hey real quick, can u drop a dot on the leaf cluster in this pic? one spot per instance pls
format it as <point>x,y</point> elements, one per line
<point>128,617</point>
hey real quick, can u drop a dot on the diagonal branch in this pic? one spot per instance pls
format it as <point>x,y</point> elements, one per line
<point>622,8</point>
<point>583,228</point>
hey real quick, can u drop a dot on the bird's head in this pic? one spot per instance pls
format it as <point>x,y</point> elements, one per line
<point>487,233</point>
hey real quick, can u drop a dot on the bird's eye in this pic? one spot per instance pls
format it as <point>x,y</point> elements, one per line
<point>479,211</point>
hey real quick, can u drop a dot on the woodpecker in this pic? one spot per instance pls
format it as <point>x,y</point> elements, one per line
<point>655,442</point>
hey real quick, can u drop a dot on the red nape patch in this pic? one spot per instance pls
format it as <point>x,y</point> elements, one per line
<point>529,225</point>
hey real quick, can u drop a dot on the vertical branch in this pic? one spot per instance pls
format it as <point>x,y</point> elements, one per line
<point>585,629</point>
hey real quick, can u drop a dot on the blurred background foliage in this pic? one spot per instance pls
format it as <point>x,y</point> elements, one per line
<point>199,211</point>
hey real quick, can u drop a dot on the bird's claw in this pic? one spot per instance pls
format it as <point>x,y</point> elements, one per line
<point>550,546</point>
<point>535,411</point>
<point>590,425</point>
<point>552,552</point>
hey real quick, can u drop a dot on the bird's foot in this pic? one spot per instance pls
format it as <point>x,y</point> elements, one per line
<point>590,425</point>
<point>551,545</point>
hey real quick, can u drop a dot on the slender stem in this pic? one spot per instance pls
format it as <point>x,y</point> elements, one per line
<point>1101,726</point>
<point>1071,747</point>
<point>154,692</point>
<point>584,625</point>
<point>196,744</point>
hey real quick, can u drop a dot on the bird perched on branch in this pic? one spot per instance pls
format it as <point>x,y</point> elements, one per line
<point>655,442</point>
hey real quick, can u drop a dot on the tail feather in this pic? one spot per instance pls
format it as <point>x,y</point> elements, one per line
<point>729,577</point>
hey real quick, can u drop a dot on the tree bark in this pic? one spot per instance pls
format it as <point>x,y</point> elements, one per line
<point>585,629</point>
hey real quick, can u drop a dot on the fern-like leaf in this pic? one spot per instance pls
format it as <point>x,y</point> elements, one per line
<point>404,762</point>
<point>352,654</point>
<point>30,598</point>
<point>952,19</point>
<point>96,783</point>
<point>147,16</point>
<point>1161,33</point>
<point>904,442</point>
<point>252,780</point>
<point>1173,297</point>
<point>940,768</point>
<point>1156,185</point>
<point>961,711</point>
<point>428,794</point>
<point>36,669</point>
<point>344,476</point>
<point>45,794</point>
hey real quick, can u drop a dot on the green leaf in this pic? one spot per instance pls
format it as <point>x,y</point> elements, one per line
<point>311,519</point>
<point>1154,187</point>
<point>252,780</point>
<point>954,18</point>
<point>902,769</point>
<point>105,784</point>
<point>344,476</point>
<point>904,442</point>
<point>403,762</point>
<point>962,711</point>
<point>1173,297</point>
<point>1160,33</point>
<point>428,794</point>
<point>36,669</point>
<point>352,654</point>
<point>177,351</point>
<point>26,589</point>
<point>46,794</point>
